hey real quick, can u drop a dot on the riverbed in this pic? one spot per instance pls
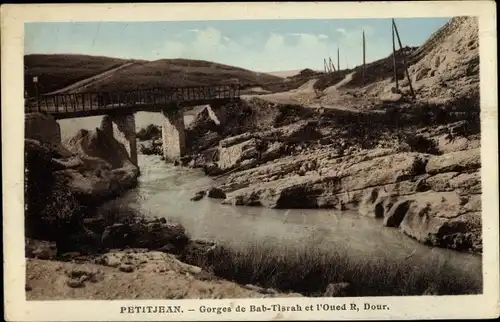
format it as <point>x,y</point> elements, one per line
<point>165,191</point>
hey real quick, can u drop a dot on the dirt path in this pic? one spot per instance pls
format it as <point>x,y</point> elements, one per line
<point>303,95</point>
<point>331,98</point>
<point>81,85</point>
<point>333,90</point>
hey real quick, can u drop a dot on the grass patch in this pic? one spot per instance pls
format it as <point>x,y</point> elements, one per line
<point>309,270</point>
<point>57,71</point>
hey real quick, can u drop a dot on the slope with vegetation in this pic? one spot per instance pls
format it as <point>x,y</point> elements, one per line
<point>443,69</point>
<point>55,71</point>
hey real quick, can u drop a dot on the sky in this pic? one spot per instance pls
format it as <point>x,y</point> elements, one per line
<point>259,45</point>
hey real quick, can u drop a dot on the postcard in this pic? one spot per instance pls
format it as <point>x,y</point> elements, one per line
<point>250,161</point>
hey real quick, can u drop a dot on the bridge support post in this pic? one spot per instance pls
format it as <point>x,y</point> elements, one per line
<point>124,132</point>
<point>173,134</point>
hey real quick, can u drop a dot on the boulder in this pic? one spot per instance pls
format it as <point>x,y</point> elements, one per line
<point>40,249</point>
<point>230,157</point>
<point>216,193</point>
<point>198,196</point>
<point>150,235</point>
<point>268,143</point>
<point>439,219</point>
<point>117,236</point>
<point>127,268</point>
<point>107,169</point>
<point>212,169</point>
<point>233,140</point>
<point>43,128</point>
<point>459,161</point>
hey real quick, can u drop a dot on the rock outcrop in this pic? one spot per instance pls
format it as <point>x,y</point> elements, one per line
<point>94,164</point>
<point>42,128</point>
<point>434,198</point>
<point>63,182</point>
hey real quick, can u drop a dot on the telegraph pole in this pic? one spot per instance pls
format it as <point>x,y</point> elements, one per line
<point>37,93</point>
<point>338,58</point>
<point>405,66</point>
<point>332,65</point>
<point>394,59</point>
<point>364,58</point>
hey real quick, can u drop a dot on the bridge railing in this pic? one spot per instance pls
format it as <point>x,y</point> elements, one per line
<point>78,102</point>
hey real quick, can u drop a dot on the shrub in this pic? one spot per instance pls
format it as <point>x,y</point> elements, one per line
<point>419,143</point>
<point>50,207</point>
<point>114,212</point>
<point>150,132</point>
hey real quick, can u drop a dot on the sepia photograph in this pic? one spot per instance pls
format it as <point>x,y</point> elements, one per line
<point>226,159</point>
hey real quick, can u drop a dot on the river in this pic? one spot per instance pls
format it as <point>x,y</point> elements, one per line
<point>165,191</point>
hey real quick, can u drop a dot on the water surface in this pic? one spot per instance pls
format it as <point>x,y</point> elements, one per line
<point>165,191</point>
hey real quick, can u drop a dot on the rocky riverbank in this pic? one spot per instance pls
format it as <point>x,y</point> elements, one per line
<point>145,266</point>
<point>367,146</point>
<point>94,251</point>
<point>79,245</point>
<point>422,179</point>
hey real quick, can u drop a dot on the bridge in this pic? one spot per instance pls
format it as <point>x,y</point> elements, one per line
<point>118,108</point>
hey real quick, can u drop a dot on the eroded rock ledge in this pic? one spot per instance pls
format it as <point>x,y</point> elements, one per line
<point>424,180</point>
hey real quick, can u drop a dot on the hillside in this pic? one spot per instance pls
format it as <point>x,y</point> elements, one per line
<point>285,73</point>
<point>444,68</point>
<point>180,72</point>
<point>58,71</point>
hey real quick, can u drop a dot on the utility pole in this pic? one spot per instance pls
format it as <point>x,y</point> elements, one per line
<point>37,93</point>
<point>394,59</point>
<point>405,66</point>
<point>325,65</point>
<point>332,65</point>
<point>338,58</point>
<point>364,58</point>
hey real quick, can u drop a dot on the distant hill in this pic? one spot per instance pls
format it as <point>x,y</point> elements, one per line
<point>285,73</point>
<point>292,73</point>
<point>56,72</point>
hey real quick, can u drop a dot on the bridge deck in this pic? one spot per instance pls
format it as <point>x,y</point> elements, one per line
<point>62,106</point>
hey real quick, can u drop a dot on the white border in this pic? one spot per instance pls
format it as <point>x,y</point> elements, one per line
<point>13,18</point>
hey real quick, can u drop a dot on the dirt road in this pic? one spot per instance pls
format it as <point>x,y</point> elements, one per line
<point>83,84</point>
<point>332,97</point>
